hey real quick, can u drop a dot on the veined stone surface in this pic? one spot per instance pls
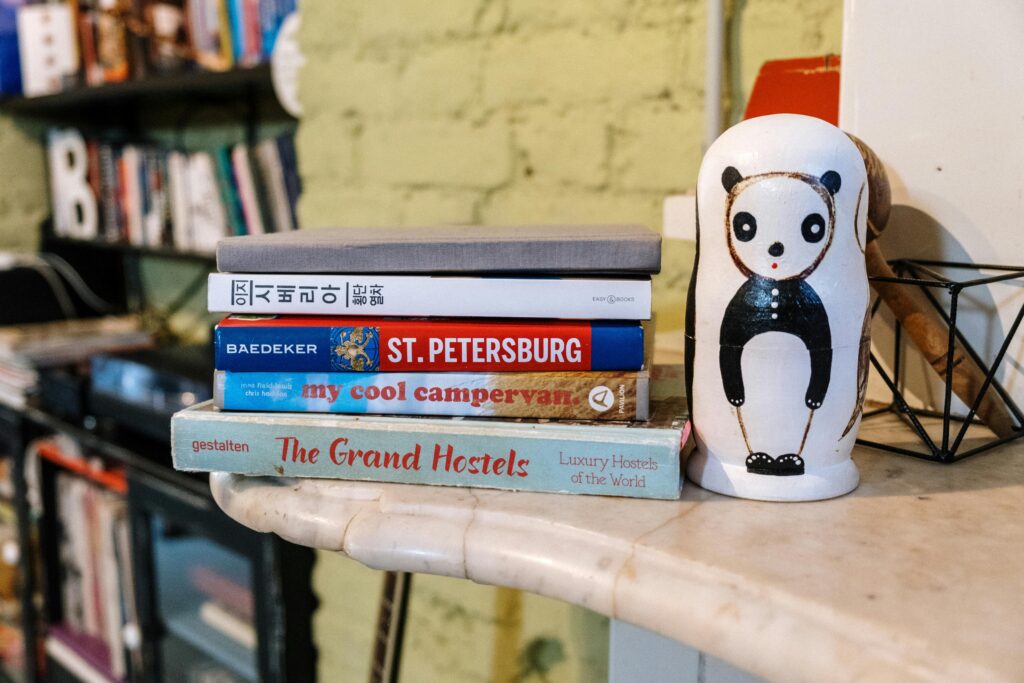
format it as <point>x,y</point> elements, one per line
<point>916,576</point>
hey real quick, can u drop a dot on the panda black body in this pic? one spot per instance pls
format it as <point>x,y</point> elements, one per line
<point>789,306</point>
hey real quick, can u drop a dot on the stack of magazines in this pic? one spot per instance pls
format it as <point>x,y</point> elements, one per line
<point>538,329</point>
<point>27,348</point>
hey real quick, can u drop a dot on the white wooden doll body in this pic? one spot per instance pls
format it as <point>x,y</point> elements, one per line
<point>777,312</point>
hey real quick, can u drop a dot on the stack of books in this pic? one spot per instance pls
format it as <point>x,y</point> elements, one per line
<point>541,326</point>
<point>27,348</point>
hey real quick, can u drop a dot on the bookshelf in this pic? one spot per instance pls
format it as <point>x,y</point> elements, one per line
<point>64,244</point>
<point>126,97</point>
<point>174,523</point>
<point>164,506</point>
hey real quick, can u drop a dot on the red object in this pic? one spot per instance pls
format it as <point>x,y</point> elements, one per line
<point>110,479</point>
<point>468,345</point>
<point>808,85</point>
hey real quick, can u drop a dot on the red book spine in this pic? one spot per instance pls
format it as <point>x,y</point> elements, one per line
<point>475,347</point>
<point>253,34</point>
<point>335,344</point>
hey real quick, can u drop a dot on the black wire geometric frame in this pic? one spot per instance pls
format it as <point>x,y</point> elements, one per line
<point>922,273</point>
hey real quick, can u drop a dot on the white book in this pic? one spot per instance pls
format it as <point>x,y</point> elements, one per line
<point>216,616</point>
<point>131,159</point>
<point>425,295</point>
<point>247,190</point>
<point>270,165</point>
<point>208,216</point>
<point>47,47</point>
<point>153,217</point>
<point>69,658</point>
<point>181,225</point>
<point>109,507</point>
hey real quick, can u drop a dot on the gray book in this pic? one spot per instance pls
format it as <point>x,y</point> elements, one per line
<point>547,249</point>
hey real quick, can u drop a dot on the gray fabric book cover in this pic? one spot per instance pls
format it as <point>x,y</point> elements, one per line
<point>549,249</point>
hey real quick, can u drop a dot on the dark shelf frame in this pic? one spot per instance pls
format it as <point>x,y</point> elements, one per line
<point>214,85</point>
<point>282,572</point>
<point>12,423</point>
<point>281,576</point>
<point>926,275</point>
<point>53,243</point>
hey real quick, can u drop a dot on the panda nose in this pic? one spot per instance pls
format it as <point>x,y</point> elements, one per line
<point>776,249</point>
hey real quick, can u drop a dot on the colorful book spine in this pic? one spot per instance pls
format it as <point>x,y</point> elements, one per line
<point>331,344</point>
<point>245,186</point>
<point>269,162</point>
<point>551,395</point>
<point>431,296</point>
<point>10,61</point>
<point>229,191</point>
<point>292,180</point>
<point>606,459</point>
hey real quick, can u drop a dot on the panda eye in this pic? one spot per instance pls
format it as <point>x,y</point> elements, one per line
<point>813,228</point>
<point>744,226</point>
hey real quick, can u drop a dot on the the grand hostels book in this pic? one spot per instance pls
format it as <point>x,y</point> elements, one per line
<point>335,344</point>
<point>640,460</point>
<point>608,395</point>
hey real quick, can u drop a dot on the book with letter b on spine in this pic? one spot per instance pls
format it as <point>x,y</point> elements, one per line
<point>640,460</point>
<point>333,344</point>
<point>606,395</point>
<point>431,296</point>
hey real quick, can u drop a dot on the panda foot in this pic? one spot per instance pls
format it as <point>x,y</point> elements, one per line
<point>760,463</point>
<point>783,466</point>
<point>789,465</point>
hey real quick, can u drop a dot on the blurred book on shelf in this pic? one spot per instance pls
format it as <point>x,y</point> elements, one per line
<point>24,349</point>
<point>95,558</point>
<point>146,196</point>
<point>49,47</point>
<point>12,649</point>
<point>205,596</point>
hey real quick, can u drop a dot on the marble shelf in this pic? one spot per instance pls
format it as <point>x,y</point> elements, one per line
<point>917,575</point>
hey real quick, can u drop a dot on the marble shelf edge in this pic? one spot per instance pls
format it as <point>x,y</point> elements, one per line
<point>497,538</point>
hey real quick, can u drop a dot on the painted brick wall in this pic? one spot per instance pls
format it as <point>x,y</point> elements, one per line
<point>519,110</point>
<point>24,200</point>
<point>497,111</point>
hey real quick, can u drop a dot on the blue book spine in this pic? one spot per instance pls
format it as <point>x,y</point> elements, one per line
<point>236,14</point>
<point>322,348</point>
<point>565,395</point>
<point>269,349</point>
<point>272,15</point>
<point>10,59</point>
<point>290,168</point>
<point>584,459</point>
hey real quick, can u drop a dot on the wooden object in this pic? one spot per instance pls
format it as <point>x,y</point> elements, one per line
<point>926,329</point>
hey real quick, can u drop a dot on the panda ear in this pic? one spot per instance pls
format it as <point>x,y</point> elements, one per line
<point>831,181</point>
<point>730,176</point>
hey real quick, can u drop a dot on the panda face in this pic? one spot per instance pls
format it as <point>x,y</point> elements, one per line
<point>779,225</point>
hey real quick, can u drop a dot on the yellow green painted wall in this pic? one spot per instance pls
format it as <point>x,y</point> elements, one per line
<point>501,111</point>
<point>24,200</point>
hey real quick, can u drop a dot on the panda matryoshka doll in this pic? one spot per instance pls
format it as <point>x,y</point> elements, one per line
<point>776,316</point>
